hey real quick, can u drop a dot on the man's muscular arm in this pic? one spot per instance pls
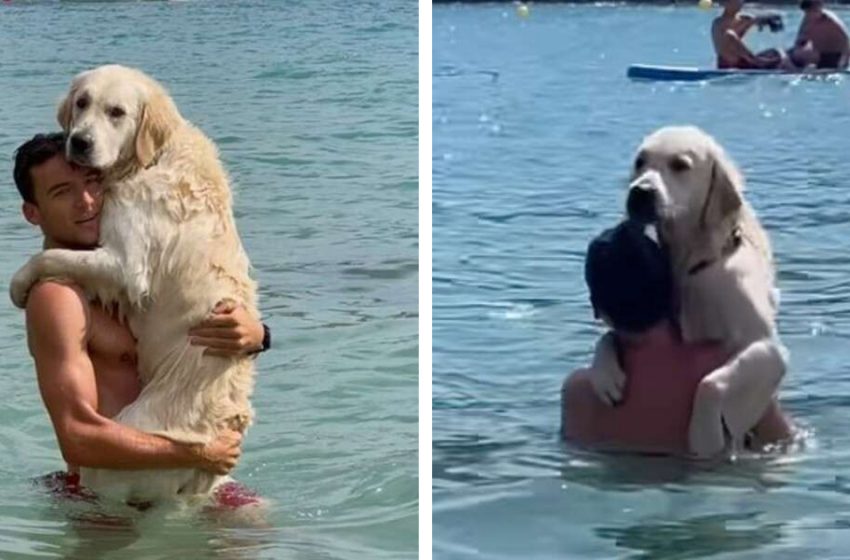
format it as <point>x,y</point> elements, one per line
<point>57,331</point>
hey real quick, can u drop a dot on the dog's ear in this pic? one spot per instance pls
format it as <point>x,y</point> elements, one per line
<point>158,120</point>
<point>63,113</point>
<point>724,193</point>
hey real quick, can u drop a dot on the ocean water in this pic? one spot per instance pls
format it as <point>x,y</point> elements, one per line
<point>534,128</point>
<point>314,108</point>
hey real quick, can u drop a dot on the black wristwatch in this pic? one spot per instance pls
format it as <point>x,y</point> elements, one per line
<point>267,338</point>
<point>267,341</point>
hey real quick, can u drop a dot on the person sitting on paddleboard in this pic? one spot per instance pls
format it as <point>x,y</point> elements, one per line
<point>822,31</point>
<point>727,34</point>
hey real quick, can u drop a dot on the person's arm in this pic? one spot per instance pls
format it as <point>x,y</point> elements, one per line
<point>845,51</point>
<point>735,48</point>
<point>57,329</point>
<point>802,32</point>
<point>743,24</point>
<point>230,330</point>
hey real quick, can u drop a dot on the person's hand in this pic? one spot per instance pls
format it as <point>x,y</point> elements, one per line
<point>221,454</point>
<point>228,331</point>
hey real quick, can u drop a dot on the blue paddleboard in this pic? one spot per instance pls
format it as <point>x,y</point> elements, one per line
<point>693,74</point>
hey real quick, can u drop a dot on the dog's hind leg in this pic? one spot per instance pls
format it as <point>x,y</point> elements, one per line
<point>735,396</point>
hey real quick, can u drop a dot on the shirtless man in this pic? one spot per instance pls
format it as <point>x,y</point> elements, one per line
<point>84,357</point>
<point>665,373</point>
<point>727,34</point>
<point>825,33</point>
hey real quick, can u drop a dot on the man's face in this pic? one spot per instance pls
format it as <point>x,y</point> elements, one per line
<point>68,200</point>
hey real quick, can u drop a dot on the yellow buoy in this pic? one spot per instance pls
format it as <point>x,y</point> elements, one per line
<point>705,4</point>
<point>522,10</point>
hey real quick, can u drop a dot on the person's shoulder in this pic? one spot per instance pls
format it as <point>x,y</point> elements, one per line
<point>576,382</point>
<point>576,396</point>
<point>577,393</point>
<point>51,297</point>
<point>834,18</point>
<point>54,291</point>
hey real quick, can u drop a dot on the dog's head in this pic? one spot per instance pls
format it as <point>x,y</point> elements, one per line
<point>116,116</point>
<point>681,174</point>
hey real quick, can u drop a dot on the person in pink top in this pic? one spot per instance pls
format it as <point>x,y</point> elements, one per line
<point>631,289</point>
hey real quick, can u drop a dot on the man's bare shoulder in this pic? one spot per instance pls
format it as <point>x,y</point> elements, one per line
<point>52,294</point>
<point>576,382</point>
<point>577,399</point>
<point>833,18</point>
<point>55,309</point>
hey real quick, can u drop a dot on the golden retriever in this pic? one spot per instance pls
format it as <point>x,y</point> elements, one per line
<point>169,250</point>
<point>684,183</point>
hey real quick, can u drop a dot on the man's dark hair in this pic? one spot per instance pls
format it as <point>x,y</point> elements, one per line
<point>809,4</point>
<point>33,153</point>
<point>629,277</point>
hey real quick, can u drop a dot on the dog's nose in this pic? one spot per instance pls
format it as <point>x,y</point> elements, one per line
<point>80,144</point>
<point>640,205</point>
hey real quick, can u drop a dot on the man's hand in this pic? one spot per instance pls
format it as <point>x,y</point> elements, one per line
<point>228,331</point>
<point>221,454</point>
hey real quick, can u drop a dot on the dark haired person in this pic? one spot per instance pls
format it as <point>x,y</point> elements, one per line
<point>85,358</point>
<point>631,290</point>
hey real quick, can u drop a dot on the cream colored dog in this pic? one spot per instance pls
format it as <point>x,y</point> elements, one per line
<point>169,250</point>
<point>684,183</point>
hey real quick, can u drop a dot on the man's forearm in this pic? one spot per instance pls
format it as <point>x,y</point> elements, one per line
<point>103,443</point>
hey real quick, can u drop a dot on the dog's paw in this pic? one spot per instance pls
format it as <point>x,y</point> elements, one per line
<point>706,433</point>
<point>608,384</point>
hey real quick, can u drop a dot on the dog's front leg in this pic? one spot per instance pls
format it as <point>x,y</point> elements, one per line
<point>735,395</point>
<point>98,267</point>
<point>605,374</point>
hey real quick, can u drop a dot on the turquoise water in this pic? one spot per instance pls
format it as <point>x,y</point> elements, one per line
<point>314,108</point>
<point>534,128</point>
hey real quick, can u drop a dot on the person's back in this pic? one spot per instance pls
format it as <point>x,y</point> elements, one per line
<point>827,34</point>
<point>663,374</point>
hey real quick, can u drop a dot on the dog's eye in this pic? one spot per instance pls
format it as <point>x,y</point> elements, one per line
<point>82,103</point>
<point>639,163</point>
<point>117,112</point>
<point>680,164</point>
